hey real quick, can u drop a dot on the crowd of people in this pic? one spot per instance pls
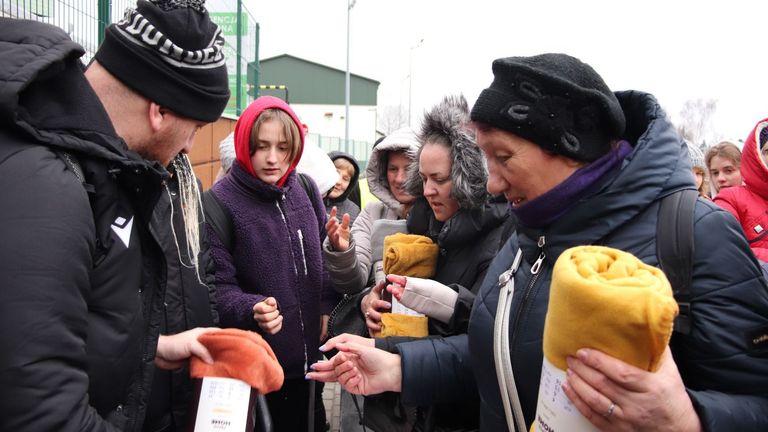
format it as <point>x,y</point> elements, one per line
<point>113,261</point>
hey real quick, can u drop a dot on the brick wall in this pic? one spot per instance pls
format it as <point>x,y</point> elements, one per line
<point>205,152</point>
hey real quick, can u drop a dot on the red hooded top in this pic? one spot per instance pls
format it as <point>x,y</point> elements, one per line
<point>749,203</point>
<point>243,133</point>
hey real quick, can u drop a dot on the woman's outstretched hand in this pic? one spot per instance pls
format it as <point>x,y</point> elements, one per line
<point>360,369</point>
<point>338,232</point>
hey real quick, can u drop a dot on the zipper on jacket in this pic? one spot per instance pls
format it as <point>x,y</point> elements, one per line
<point>535,271</point>
<point>296,272</point>
<point>285,222</point>
<point>303,254</point>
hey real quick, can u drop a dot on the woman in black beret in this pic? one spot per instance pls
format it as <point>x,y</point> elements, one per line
<point>582,165</point>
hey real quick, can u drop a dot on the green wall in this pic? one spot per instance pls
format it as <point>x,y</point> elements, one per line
<point>313,83</point>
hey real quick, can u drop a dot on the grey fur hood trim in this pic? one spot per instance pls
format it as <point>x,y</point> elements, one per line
<point>447,123</point>
<point>376,172</point>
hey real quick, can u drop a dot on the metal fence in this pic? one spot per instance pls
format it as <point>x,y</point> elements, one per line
<point>85,22</point>
<point>360,150</point>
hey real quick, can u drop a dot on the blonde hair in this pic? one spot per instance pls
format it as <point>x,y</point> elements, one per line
<point>725,149</point>
<point>704,188</point>
<point>191,211</point>
<point>343,164</point>
<point>290,129</point>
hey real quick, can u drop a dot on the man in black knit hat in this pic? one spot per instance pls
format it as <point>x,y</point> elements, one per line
<point>82,164</point>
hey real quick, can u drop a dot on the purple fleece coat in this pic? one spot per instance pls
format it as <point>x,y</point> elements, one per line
<point>276,253</point>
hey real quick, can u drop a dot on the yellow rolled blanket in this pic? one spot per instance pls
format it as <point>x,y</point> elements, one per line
<point>410,255</point>
<point>609,300</point>
<point>407,255</point>
<point>395,324</point>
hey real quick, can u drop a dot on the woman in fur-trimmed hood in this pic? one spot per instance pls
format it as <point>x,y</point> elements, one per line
<point>446,124</point>
<point>454,210</point>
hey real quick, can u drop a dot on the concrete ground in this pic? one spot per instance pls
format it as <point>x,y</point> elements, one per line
<point>340,409</point>
<point>332,402</point>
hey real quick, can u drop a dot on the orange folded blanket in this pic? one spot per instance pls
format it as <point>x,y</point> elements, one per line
<point>242,355</point>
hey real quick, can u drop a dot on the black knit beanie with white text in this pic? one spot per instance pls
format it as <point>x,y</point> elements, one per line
<point>170,52</point>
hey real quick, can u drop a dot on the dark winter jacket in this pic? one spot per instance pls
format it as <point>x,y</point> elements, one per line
<point>188,304</point>
<point>723,362</point>
<point>278,231</point>
<point>80,271</point>
<point>748,203</point>
<point>468,242</point>
<point>342,203</point>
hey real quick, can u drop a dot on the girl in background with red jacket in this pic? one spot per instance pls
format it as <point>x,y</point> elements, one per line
<point>749,202</point>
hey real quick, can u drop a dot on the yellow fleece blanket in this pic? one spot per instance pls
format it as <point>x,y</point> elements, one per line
<point>410,255</point>
<point>407,255</point>
<point>609,300</point>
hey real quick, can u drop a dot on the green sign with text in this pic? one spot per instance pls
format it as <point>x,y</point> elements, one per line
<point>228,22</point>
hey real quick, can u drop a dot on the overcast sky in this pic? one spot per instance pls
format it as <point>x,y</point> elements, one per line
<point>676,49</point>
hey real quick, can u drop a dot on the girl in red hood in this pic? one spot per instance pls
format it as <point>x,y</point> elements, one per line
<point>749,202</point>
<point>271,280</point>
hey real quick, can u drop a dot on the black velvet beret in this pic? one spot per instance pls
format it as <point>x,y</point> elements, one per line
<point>555,101</point>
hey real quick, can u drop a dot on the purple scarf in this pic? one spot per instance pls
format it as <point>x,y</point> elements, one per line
<point>545,209</point>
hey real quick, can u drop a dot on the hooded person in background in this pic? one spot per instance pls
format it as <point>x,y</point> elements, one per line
<point>226,156</point>
<point>582,165</point>
<point>748,203</point>
<point>699,170</point>
<point>272,280</point>
<point>83,157</point>
<point>347,252</point>
<point>338,196</point>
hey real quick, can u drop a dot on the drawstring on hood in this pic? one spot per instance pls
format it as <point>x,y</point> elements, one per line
<point>244,126</point>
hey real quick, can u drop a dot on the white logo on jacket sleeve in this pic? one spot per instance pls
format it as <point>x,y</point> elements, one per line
<point>122,228</point>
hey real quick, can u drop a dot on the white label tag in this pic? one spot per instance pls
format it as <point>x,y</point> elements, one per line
<point>554,411</point>
<point>398,308</point>
<point>223,405</point>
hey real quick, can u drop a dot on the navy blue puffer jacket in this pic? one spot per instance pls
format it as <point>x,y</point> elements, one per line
<point>723,362</point>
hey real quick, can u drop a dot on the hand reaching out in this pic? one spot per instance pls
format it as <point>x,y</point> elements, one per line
<point>427,296</point>
<point>360,369</point>
<point>338,233</point>
<point>396,286</point>
<point>267,315</point>
<point>173,351</point>
<point>347,338</point>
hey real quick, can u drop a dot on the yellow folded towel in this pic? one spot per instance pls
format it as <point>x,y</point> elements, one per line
<point>410,255</point>
<point>609,300</point>
<point>393,324</point>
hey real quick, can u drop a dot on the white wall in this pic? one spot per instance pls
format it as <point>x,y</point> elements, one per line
<point>328,120</point>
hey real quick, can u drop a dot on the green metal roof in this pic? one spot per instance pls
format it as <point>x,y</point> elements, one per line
<point>312,83</point>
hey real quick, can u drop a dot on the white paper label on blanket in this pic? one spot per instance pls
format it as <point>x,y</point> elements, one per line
<point>554,411</point>
<point>223,405</point>
<point>399,308</point>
